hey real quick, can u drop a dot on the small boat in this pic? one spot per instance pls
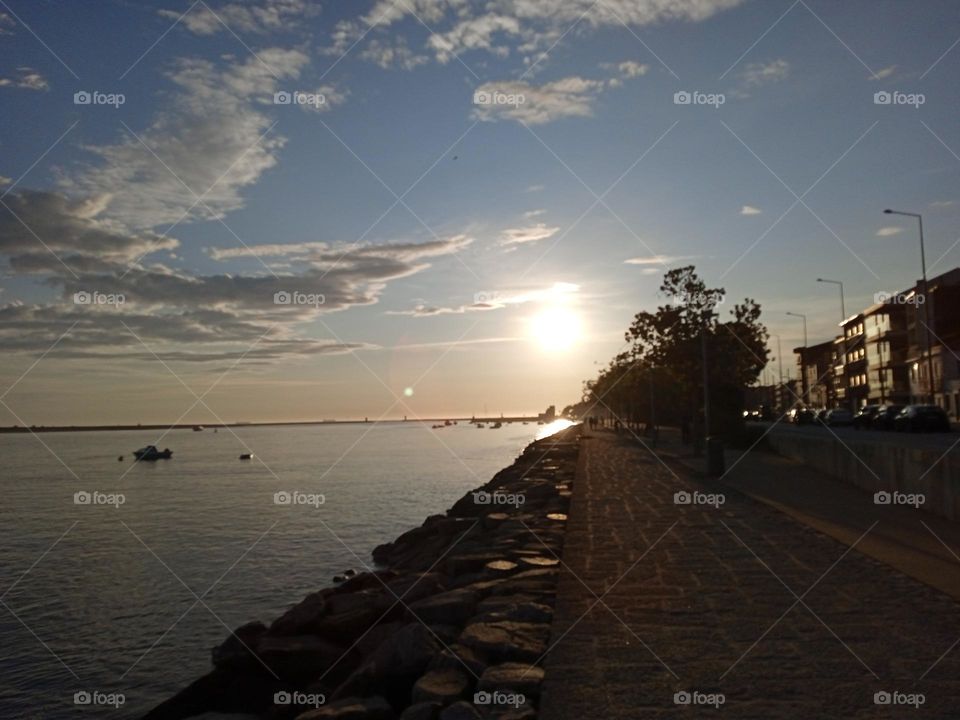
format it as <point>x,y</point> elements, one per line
<point>198,428</point>
<point>246,456</point>
<point>496,425</point>
<point>447,423</point>
<point>479,426</point>
<point>150,452</point>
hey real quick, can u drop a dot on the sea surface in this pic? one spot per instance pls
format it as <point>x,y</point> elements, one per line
<point>126,594</point>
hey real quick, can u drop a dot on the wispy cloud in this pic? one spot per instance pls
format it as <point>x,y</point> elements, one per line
<point>534,233</point>
<point>883,74</point>
<point>750,210</point>
<point>26,79</point>
<point>658,260</point>
<point>245,17</point>
<point>943,203</point>
<point>889,231</point>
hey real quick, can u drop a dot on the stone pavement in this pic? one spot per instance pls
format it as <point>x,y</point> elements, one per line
<point>739,600</point>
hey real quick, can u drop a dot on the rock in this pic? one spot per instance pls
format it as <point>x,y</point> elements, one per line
<point>372,708</point>
<point>460,657</point>
<point>302,617</point>
<point>507,640</point>
<point>460,711</point>
<point>422,711</point>
<point>514,678</point>
<point>236,650</point>
<point>454,607</point>
<point>521,612</point>
<point>222,691</point>
<point>462,563</point>
<point>393,668</point>
<point>501,567</point>
<point>298,658</point>
<point>540,561</point>
<point>442,686</point>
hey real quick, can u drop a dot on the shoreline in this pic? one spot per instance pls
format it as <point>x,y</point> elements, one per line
<point>449,622</point>
<point>22,429</point>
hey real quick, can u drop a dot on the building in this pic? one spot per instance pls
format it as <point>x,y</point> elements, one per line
<point>885,353</point>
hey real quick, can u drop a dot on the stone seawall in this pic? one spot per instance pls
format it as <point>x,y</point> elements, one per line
<point>879,466</point>
<point>452,624</point>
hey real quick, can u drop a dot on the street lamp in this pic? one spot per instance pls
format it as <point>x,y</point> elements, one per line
<point>926,310</point>
<point>803,358</point>
<point>843,316</point>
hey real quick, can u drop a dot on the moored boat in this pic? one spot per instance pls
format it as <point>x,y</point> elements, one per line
<point>150,452</point>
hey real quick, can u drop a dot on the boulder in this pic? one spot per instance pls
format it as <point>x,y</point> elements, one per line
<point>301,618</point>
<point>372,708</point>
<point>443,686</point>
<point>236,650</point>
<point>460,711</point>
<point>453,607</point>
<point>422,711</point>
<point>297,658</point>
<point>512,678</point>
<point>507,640</point>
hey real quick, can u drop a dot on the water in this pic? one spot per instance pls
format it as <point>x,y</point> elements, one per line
<point>112,606</point>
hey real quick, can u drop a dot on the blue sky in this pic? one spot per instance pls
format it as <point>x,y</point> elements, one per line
<point>476,253</point>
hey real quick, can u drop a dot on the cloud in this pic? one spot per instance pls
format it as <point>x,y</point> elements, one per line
<point>6,22</point>
<point>889,231</point>
<point>633,69</point>
<point>883,74</point>
<point>268,16</point>
<point>757,74</point>
<point>536,105</point>
<point>659,260</point>
<point>750,210</point>
<point>26,79</point>
<point>65,245</point>
<point>210,140</point>
<point>501,27</point>
<point>495,300</point>
<point>527,214</point>
<point>935,203</point>
<point>389,54</point>
<point>534,233</point>
<point>4,180</point>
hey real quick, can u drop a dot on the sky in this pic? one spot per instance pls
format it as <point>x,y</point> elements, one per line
<point>288,210</point>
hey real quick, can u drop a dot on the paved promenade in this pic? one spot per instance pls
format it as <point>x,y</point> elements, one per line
<point>741,600</point>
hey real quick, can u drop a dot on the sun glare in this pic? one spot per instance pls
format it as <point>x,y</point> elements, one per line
<point>555,329</point>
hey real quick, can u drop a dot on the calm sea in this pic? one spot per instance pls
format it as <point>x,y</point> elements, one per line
<point>110,597</point>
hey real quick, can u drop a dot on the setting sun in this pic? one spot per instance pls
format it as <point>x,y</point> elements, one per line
<point>555,329</point>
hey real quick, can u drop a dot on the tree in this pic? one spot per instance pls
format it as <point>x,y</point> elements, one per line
<point>664,357</point>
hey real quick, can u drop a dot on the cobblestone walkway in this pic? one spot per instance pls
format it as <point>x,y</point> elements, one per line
<point>658,598</point>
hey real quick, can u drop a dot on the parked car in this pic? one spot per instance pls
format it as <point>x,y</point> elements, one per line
<point>885,416</point>
<point>922,418</point>
<point>804,416</point>
<point>822,416</point>
<point>863,420</point>
<point>839,417</point>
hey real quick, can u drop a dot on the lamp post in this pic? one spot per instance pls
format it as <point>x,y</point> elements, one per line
<point>843,316</point>
<point>803,359</point>
<point>926,298</point>
<point>780,375</point>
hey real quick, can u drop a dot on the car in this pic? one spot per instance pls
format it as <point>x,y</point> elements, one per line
<point>822,416</point>
<point>804,416</point>
<point>863,420</point>
<point>922,418</point>
<point>883,419</point>
<point>839,417</point>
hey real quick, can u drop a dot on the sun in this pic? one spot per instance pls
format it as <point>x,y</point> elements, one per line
<point>555,329</point>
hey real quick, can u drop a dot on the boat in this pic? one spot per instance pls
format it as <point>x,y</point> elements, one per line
<point>198,428</point>
<point>150,452</point>
<point>496,425</point>
<point>447,423</point>
<point>479,426</point>
<point>246,456</point>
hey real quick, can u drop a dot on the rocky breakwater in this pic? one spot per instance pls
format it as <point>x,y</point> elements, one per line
<point>451,625</point>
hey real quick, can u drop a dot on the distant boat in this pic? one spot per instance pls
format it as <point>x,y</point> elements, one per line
<point>246,456</point>
<point>496,425</point>
<point>150,452</point>
<point>479,426</point>
<point>447,423</point>
<point>198,428</point>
